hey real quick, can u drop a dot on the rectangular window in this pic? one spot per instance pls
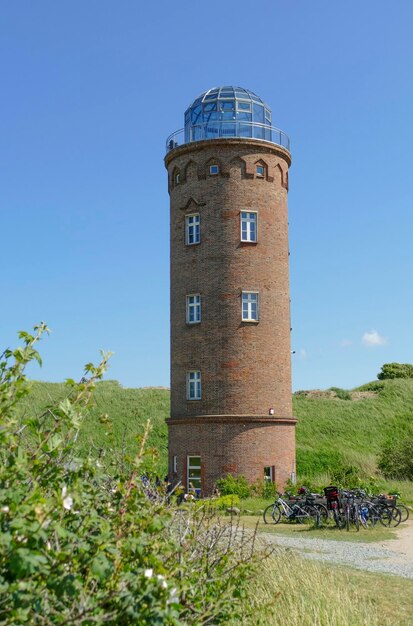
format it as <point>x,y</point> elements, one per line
<point>268,474</point>
<point>175,464</point>
<point>249,306</point>
<point>213,169</point>
<point>193,309</point>
<point>194,475</point>
<point>192,229</point>
<point>248,226</point>
<point>260,171</point>
<point>193,385</point>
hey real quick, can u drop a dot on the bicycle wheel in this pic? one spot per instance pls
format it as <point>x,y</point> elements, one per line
<point>311,514</point>
<point>386,516</point>
<point>396,516</point>
<point>356,516</point>
<point>272,514</point>
<point>404,511</point>
<point>322,511</point>
<point>347,517</point>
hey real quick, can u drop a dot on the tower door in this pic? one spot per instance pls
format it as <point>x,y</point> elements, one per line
<point>194,475</point>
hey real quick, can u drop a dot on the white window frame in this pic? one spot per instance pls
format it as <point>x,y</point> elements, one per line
<point>193,385</point>
<point>250,297</point>
<point>192,479</point>
<point>213,167</point>
<point>192,221</point>
<point>270,477</point>
<point>247,221</point>
<point>193,303</point>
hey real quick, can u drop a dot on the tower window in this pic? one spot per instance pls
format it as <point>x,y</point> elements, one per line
<point>213,170</point>
<point>193,385</point>
<point>269,474</point>
<point>177,179</point>
<point>248,226</point>
<point>194,475</point>
<point>260,171</point>
<point>192,229</point>
<point>174,464</point>
<point>193,309</point>
<point>250,306</point>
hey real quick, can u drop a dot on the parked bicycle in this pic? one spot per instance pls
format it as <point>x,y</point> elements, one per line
<point>300,513</point>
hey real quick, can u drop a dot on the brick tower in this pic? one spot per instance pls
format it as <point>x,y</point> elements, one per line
<point>230,303</point>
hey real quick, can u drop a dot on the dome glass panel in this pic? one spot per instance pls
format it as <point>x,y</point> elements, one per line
<point>227,112</point>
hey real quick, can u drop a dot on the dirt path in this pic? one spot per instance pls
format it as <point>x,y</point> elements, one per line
<point>403,545</point>
<point>394,556</point>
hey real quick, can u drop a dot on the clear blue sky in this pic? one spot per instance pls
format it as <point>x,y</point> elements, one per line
<point>89,92</point>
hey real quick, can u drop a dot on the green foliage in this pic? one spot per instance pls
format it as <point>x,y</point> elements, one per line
<point>224,502</point>
<point>234,485</point>
<point>395,370</point>
<point>396,456</point>
<point>335,435</point>
<point>374,385</point>
<point>343,394</point>
<point>79,545</point>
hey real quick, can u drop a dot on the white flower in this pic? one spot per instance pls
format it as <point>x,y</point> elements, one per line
<point>5,509</point>
<point>67,500</point>
<point>162,580</point>
<point>173,596</point>
<point>68,503</point>
<point>148,573</point>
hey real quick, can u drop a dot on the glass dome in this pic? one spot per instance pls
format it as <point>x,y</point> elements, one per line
<point>227,112</point>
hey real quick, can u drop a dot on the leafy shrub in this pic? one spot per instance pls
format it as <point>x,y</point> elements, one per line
<point>343,394</point>
<point>396,456</point>
<point>234,485</point>
<point>395,370</point>
<point>224,502</point>
<point>80,546</point>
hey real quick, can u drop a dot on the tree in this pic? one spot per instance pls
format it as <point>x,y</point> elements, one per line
<point>395,370</point>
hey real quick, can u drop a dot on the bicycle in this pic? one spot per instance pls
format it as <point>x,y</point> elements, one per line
<point>300,514</point>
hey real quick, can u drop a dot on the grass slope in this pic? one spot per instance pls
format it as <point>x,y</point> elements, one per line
<point>333,432</point>
<point>128,410</point>
<point>330,432</point>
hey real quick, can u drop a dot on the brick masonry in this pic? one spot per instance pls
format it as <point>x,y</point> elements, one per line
<point>245,366</point>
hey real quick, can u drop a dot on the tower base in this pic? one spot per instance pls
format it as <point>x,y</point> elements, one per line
<point>257,447</point>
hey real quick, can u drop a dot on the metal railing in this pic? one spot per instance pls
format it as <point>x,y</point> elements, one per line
<point>225,129</point>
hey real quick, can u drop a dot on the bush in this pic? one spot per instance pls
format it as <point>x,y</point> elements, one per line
<point>234,485</point>
<point>395,370</point>
<point>224,502</point>
<point>396,456</point>
<point>343,394</point>
<point>81,546</point>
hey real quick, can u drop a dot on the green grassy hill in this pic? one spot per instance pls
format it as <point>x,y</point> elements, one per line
<point>128,410</point>
<point>332,432</point>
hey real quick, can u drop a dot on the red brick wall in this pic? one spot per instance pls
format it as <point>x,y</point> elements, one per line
<point>245,367</point>
<point>233,447</point>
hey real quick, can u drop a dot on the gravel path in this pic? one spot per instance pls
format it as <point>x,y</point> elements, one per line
<point>387,557</point>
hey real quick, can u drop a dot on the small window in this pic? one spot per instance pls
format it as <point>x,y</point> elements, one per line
<point>194,475</point>
<point>248,226</point>
<point>260,170</point>
<point>192,229</point>
<point>175,464</point>
<point>250,306</point>
<point>269,474</point>
<point>193,385</point>
<point>213,169</point>
<point>193,309</point>
<point>177,179</point>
